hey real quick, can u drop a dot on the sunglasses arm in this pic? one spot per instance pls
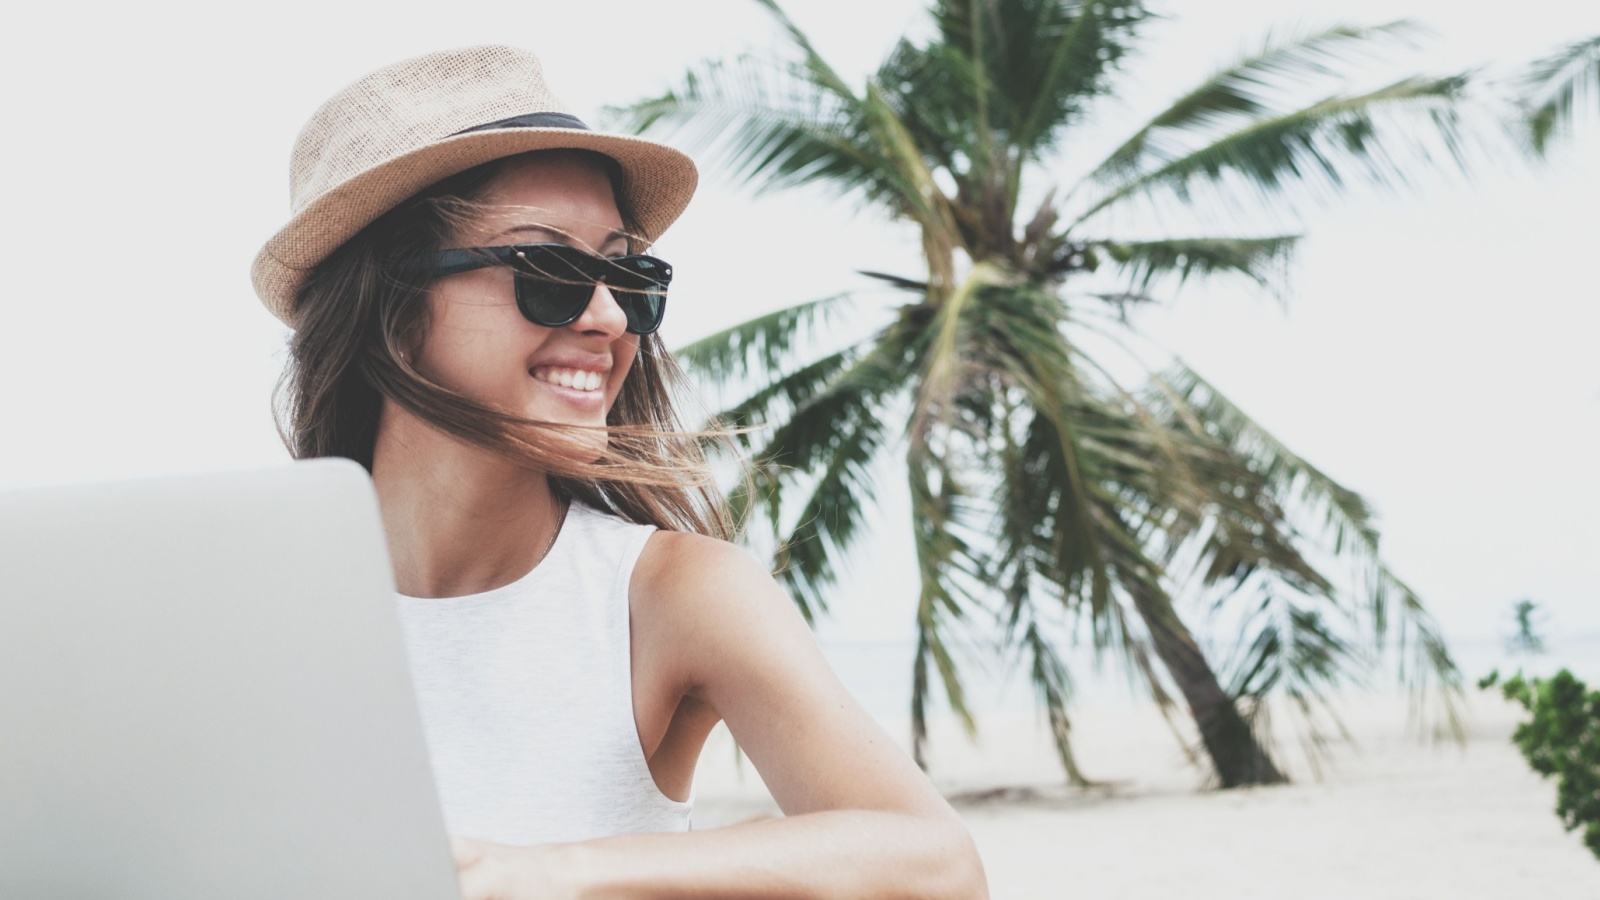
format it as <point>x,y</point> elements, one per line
<point>451,262</point>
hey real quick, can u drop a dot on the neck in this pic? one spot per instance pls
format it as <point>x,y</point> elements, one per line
<point>460,520</point>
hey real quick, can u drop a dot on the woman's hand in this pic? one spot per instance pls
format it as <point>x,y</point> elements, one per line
<point>500,872</point>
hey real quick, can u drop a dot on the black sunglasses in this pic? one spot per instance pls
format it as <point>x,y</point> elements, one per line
<point>554,282</point>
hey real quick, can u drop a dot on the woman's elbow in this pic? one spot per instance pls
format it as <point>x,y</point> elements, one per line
<point>953,871</point>
<point>967,875</point>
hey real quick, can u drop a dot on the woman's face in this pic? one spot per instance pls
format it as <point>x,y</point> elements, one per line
<point>478,342</point>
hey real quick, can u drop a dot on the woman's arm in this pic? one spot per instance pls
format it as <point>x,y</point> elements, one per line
<point>860,819</point>
<point>839,854</point>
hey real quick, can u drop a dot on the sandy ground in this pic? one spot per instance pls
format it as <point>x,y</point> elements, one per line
<point>1391,817</point>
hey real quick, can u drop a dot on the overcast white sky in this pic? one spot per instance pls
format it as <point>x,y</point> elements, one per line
<point>1436,351</point>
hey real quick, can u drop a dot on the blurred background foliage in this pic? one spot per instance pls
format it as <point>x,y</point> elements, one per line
<point>1053,498</point>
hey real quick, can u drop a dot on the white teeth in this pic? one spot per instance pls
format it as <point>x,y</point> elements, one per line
<point>577,379</point>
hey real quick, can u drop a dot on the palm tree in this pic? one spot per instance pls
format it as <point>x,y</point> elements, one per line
<point>1554,88</point>
<point>1048,495</point>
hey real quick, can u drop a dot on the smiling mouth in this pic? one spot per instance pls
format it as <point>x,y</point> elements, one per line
<point>574,379</point>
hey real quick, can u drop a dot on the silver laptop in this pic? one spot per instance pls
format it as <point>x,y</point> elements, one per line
<point>204,694</point>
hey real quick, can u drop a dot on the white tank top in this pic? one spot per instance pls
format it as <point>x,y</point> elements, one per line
<point>526,694</point>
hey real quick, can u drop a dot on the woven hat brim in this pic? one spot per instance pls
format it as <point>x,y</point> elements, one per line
<point>657,184</point>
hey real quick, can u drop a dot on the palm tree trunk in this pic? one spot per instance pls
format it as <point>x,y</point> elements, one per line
<point>1235,752</point>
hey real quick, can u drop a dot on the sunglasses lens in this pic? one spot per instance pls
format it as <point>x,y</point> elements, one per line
<point>555,283</point>
<point>552,287</point>
<point>639,283</point>
<point>643,308</point>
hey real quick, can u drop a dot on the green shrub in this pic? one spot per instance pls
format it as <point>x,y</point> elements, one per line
<point>1562,739</point>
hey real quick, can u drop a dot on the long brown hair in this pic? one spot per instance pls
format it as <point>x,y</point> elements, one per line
<point>366,303</point>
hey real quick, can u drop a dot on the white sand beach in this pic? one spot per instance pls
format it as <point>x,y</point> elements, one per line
<point>1391,817</point>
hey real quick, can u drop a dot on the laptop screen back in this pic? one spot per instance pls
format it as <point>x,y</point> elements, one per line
<point>203,693</point>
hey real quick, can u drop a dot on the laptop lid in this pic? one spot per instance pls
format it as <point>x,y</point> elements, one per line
<point>204,693</point>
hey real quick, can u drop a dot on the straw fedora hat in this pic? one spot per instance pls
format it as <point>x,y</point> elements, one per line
<point>408,125</point>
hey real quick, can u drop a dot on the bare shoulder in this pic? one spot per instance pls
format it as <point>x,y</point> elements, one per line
<point>716,606</point>
<point>680,567</point>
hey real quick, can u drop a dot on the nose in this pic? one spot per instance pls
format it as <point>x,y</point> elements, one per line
<point>603,315</point>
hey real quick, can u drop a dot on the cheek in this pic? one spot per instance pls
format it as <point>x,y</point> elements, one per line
<point>473,343</point>
<point>624,355</point>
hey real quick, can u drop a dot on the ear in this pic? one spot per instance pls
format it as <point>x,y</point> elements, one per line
<point>408,344</point>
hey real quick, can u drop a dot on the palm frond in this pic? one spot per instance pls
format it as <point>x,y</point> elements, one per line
<point>1392,607</point>
<point>771,124</point>
<point>1069,457</point>
<point>1077,66</point>
<point>819,71</point>
<point>1244,89</point>
<point>922,199</point>
<point>1291,652</point>
<point>1037,64</point>
<point>803,438</point>
<point>1262,259</point>
<point>1238,756</point>
<point>1557,87</point>
<point>1318,147</point>
<point>915,286</point>
<point>946,360</point>
<point>1045,528</point>
<point>941,601</point>
<point>785,392</point>
<point>781,124</point>
<point>830,518</point>
<point>762,345</point>
<point>874,120</point>
<point>1235,525</point>
<point>835,431</point>
<point>931,88</point>
<point>1053,684</point>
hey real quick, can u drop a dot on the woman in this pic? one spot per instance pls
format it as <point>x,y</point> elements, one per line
<point>475,324</point>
